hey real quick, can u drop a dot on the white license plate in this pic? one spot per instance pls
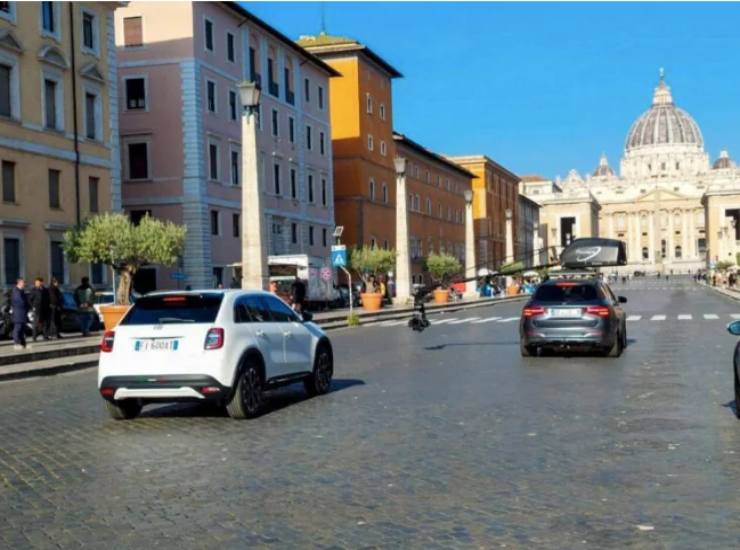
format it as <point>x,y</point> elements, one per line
<point>157,344</point>
<point>565,313</point>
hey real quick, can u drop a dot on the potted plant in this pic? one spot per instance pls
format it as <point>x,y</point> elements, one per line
<point>370,263</point>
<point>441,267</point>
<point>512,270</point>
<point>113,240</point>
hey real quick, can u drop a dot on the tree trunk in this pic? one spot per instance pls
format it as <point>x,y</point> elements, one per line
<point>125,278</point>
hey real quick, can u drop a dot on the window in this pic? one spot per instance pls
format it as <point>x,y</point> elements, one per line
<point>12,257</point>
<point>215,229</point>
<point>323,236</point>
<point>211,95</point>
<point>310,188</point>
<point>92,187</point>
<point>275,125</point>
<point>54,189</point>
<point>135,94</point>
<point>96,274</point>
<point>372,189</point>
<point>89,31</point>
<point>254,76</point>
<point>235,225</point>
<point>308,137</point>
<point>369,103</point>
<point>381,111</point>
<point>306,90</point>
<point>678,252</point>
<point>48,17</point>
<point>209,35</point>
<point>289,95</point>
<point>201,308</point>
<point>235,167</point>
<point>91,103</point>
<point>321,98</point>
<point>382,148</point>
<point>232,105</point>
<point>250,309</point>
<point>213,164</point>
<point>323,192</point>
<point>279,310</point>
<point>7,11</point>
<point>322,145</point>
<point>384,192</point>
<point>133,35</point>
<point>276,178</point>
<point>230,47</point>
<point>5,93</point>
<point>50,103</point>
<point>429,206</point>
<point>273,86</point>
<point>645,253</point>
<point>370,142</point>
<point>138,161</point>
<point>291,129</point>
<point>310,235</point>
<point>8,181</point>
<point>57,261</point>
<point>293,184</point>
<point>294,233</point>
<point>137,215</point>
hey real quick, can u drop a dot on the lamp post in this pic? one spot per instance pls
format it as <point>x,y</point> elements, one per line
<point>509,242</point>
<point>470,283</point>
<point>535,243</point>
<point>254,247</point>
<point>403,262</point>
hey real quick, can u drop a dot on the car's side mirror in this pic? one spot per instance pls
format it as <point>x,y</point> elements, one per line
<point>307,316</point>
<point>734,328</point>
<point>622,299</point>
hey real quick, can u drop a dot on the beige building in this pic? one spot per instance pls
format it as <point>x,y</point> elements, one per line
<point>675,211</point>
<point>58,140</point>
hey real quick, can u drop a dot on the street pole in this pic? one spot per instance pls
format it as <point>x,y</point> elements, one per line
<point>535,243</point>
<point>509,242</point>
<point>470,283</point>
<point>254,249</point>
<point>403,262</point>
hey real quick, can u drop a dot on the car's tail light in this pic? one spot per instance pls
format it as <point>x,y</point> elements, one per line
<point>106,344</point>
<point>210,390</point>
<point>601,311</point>
<point>214,338</point>
<point>107,392</point>
<point>531,311</point>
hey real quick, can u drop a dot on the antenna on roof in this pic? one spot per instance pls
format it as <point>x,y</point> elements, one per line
<point>323,17</point>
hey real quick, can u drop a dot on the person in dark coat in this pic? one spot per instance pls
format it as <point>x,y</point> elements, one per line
<point>298,294</point>
<point>39,300</point>
<point>56,303</point>
<point>19,315</point>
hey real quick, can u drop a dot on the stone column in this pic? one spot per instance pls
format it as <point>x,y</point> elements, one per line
<point>651,237</point>
<point>403,260</point>
<point>669,240</point>
<point>535,244</point>
<point>612,235</point>
<point>685,253</point>
<point>634,233</point>
<point>255,274</point>
<point>470,283</point>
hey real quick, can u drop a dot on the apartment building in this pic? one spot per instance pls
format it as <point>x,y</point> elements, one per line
<point>180,67</point>
<point>436,203</point>
<point>58,141</point>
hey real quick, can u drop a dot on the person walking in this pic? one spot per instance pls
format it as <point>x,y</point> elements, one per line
<point>56,302</point>
<point>39,301</point>
<point>298,294</point>
<point>19,314</point>
<point>85,298</point>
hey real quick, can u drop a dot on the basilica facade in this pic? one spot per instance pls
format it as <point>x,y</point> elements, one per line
<point>675,210</point>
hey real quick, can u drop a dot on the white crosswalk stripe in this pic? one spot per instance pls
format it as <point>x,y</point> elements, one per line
<point>634,317</point>
<point>658,318</point>
<point>486,320</point>
<point>735,315</point>
<point>443,321</point>
<point>710,316</point>
<point>394,323</point>
<point>685,317</point>
<point>460,321</point>
<point>508,319</point>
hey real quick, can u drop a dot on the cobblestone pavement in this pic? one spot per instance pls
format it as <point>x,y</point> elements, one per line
<point>439,440</point>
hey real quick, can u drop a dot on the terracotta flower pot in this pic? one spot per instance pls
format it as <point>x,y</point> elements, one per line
<point>441,295</point>
<point>372,301</point>
<point>112,315</point>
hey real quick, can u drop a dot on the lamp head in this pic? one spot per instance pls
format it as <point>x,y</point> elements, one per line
<point>468,196</point>
<point>249,93</point>
<point>400,164</point>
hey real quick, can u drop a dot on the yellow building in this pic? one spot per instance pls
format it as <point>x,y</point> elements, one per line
<point>58,143</point>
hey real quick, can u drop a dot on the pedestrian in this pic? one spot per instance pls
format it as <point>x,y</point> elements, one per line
<point>273,287</point>
<point>298,294</point>
<point>383,288</point>
<point>56,302</point>
<point>39,301</point>
<point>19,313</point>
<point>85,298</point>
<point>234,283</point>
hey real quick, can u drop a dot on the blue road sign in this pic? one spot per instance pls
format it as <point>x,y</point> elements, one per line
<point>339,255</point>
<point>178,276</point>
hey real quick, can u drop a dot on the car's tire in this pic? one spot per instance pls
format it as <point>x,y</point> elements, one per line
<point>248,399</point>
<point>123,410</point>
<point>526,351</point>
<point>319,381</point>
<point>616,349</point>
<point>737,392</point>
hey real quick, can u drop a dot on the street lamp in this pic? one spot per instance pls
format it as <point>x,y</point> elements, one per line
<point>403,260</point>
<point>468,196</point>
<point>254,247</point>
<point>400,164</point>
<point>470,282</point>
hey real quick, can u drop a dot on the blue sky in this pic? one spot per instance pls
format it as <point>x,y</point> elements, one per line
<point>541,87</point>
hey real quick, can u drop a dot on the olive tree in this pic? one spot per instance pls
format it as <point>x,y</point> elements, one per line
<point>113,240</point>
<point>442,267</point>
<point>370,261</point>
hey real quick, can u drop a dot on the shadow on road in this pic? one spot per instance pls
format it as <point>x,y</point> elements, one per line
<point>275,400</point>
<point>440,347</point>
<point>732,405</point>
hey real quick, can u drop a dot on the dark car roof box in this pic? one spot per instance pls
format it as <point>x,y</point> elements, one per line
<point>593,252</point>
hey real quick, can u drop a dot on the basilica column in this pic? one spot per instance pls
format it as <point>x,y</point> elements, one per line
<point>611,235</point>
<point>684,234</point>
<point>636,236</point>
<point>651,236</point>
<point>669,244</point>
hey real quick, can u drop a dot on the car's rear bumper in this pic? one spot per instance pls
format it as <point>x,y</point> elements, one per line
<point>182,387</point>
<point>585,337</point>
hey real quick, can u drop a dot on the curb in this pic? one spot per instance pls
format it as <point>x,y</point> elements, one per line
<point>732,294</point>
<point>58,368</point>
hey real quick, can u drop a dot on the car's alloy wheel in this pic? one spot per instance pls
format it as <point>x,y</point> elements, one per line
<point>248,398</point>
<point>319,382</point>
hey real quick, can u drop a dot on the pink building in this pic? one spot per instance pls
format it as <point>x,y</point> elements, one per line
<point>180,64</point>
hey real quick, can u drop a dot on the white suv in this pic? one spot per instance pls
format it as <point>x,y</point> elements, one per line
<point>227,346</point>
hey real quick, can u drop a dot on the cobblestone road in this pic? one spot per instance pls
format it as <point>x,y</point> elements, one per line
<point>445,439</point>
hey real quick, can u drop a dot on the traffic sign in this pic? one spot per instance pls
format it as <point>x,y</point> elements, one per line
<point>339,255</point>
<point>327,274</point>
<point>178,276</point>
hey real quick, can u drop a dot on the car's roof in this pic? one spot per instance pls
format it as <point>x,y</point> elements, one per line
<point>198,292</point>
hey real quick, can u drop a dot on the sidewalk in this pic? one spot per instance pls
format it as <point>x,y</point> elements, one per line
<point>45,358</point>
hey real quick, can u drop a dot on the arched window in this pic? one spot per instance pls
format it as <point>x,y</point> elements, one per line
<point>678,252</point>
<point>384,190</point>
<point>645,253</point>
<point>372,189</point>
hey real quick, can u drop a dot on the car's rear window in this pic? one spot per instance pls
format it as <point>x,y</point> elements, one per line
<point>174,309</point>
<point>567,293</point>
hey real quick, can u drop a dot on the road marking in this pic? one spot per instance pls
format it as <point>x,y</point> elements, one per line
<point>685,317</point>
<point>442,321</point>
<point>657,318</point>
<point>460,321</point>
<point>508,319</point>
<point>634,317</point>
<point>711,316</point>
<point>394,323</point>
<point>487,320</point>
<point>735,315</point>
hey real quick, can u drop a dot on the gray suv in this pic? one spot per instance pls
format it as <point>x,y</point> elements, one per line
<point>574,313</point>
